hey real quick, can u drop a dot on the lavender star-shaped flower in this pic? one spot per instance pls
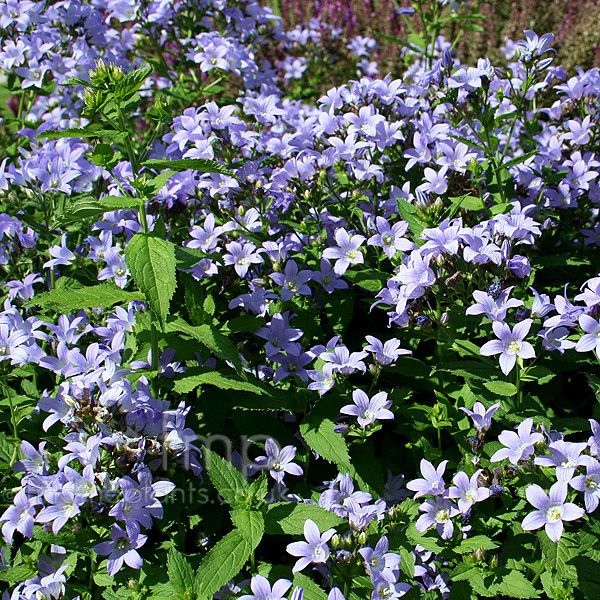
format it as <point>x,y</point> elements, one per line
<point>368,410</point>
<point>510,344</point>
<point>551,511</point>
<point>314,549</point>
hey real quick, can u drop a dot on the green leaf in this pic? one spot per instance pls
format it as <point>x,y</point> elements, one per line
<point>18,573</point>
<point>468,202</point>
<point>79,208</point>
<point>469,369</point>
<point>409,213</point>
<point>501,388</point>
<point>210,337</point>
<point>120,203</point>
<point>76,81</point>
<point>478,542</point>
<point>468,142</point>
<point>228,481</point>
<point>70,299</point>
<point>151,261</point>
<point>515,585</point>
<point>320,436</point>
<point>251,523</point>
<point>269,397</point>
<point>519,159</point>
<point>289,518</point>
<point>371,280</point>
<point>223,562</point>
<point>102,155</point>
<point>186,258</point>
<point>558,554</point>
<point>203,165</point>
<point>181,574</point>
<point>131,83</point>
<point>57,134</point>
<point>9,449</point>
<point>311,590</point>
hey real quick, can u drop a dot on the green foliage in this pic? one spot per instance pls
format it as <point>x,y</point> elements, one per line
<point>71,299</point>
<point>151,261</point>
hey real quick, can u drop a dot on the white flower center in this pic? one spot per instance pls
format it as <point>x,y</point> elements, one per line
<point>554,514</point>
<point>591,484</point>
<point>471,496</point>
<point>351,254</point>
<point>442,515</point>
<point>514,347</point>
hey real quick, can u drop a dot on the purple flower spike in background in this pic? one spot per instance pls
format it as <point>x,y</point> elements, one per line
<point>314,550</point>
<point>368,410</point>
<point>510,344</point>
<point>551,510</point>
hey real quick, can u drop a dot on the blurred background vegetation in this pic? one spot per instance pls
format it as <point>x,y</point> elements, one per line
<point>576,24</point>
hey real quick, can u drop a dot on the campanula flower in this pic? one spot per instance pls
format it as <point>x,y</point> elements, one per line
<point>519,444</point>
<point>510,344</point>
<point>551,511</point>
<point>368,410</point>
<point>314,549</point>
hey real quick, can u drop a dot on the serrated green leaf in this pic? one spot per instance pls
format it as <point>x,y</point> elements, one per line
<point>228,481</point>
<point>289,518</point>
<point>469,369</point>
<point>311,590</point>
<point>9,449</point>
<point>151,261</point>
<point>203,165</point>
<point>409,213</point>
<point>328,444</point>
<point>76,81</point>
<point>181,574</point>
<point>558,554</point>
<point>131,83</point>
<point>210,337</point>
<point>57,134</point>
<point>119,203</point>
<point>478,542</point>
<point>223,562</point>
<point>186,258</point>
<point>267,397</point>
<point>469,142</point>
<point>519,159</point>
<point>515,585</point>
<point>501,388</point>
<point>70,299</point>
<point>251,523</point>
<point>80,208</point>
<point>102,155</point>
<point>371,280</point>
<point>18,573</point>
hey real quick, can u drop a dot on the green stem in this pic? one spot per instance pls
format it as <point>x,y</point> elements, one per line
<point>519,392</point>
<point>13,416</point>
